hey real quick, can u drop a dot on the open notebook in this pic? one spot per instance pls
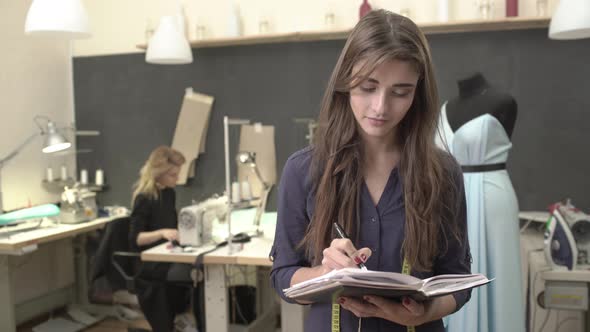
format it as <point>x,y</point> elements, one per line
<point>356,283</point>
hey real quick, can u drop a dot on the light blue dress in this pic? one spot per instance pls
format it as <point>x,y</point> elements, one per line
<point>492,221</point>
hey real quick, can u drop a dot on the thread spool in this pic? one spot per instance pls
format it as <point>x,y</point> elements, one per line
<point>99,177</point>
<point>49,174</point>
<point>246,191</point>
<point>235,192</point>
<point>64,173</point>
<point>83,176</point>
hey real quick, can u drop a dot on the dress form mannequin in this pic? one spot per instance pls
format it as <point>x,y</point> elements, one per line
<point>475,127</point>
<point>477,97</point>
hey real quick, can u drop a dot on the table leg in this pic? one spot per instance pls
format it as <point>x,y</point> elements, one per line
<point>7,318</point>
<point>81,266</point>
<point>216,302</point>
<point>265,294</point>
<point>82,303</point>
<point>265,308</point>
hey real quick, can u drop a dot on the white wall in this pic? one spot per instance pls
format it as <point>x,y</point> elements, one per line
<point>35,79</point>
<point>119,25</point>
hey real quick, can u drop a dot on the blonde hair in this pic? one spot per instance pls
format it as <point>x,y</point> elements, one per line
<point>160,161</point>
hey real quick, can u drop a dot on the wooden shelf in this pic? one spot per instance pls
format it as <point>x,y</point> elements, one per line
<point>58,185</point>
<point>517,23</point>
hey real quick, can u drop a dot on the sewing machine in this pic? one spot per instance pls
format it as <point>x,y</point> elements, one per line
<point>78,204</point>
<point>195,222</point>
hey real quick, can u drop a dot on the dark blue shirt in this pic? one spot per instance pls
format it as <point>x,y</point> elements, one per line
<point>381,230</point>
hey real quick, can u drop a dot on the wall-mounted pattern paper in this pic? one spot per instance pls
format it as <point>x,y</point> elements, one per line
<point>191,130</point>
<point>261,140</point>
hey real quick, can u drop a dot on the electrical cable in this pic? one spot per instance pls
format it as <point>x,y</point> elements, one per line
<point>565,320</point>
<point>545,320</point>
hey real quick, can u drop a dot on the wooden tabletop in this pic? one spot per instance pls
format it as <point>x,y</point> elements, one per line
<point>164,253</point>
<point>254,252</point>
<point>538,216</point>
<point>48,233</point>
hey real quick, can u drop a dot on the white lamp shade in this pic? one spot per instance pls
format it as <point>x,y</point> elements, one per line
<point>56,147</point>
<point>54,141</point>
<point>58,18</point>
<point>571,20</point>
<point>168,46</point>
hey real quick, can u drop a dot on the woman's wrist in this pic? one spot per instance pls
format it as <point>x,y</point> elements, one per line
<point>429,311</point>
<point>438,308</point>
<point>306,273</point>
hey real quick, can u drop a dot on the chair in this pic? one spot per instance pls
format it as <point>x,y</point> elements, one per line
<point>114,239</point>
<point>115,243</point>
<point>116,260</point>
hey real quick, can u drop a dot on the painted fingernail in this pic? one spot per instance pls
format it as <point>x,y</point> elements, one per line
<point>364,257</point>
<point>357,260</point>
<point>341,300</point>
<point>366,298</point>
<point>407,301</point>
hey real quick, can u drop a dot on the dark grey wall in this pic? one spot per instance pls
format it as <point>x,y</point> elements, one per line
<point>135,106</point>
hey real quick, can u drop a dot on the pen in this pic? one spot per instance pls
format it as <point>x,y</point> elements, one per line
<point>343,235</point>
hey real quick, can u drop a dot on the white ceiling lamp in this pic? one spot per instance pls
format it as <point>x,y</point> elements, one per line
<point>169,46</point>
<point>571,20</point>
<point>58,18</point>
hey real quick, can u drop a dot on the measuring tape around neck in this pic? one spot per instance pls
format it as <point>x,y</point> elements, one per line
<point>335,321</point>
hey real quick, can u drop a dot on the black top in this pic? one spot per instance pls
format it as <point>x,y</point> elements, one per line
<point>152,214</point>
<point>477,97</point>
<point>382,229</point>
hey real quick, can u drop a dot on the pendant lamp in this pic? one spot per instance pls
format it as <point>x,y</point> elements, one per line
<point>571,20</point>
<point>58,18</point>
<point>169,46</point>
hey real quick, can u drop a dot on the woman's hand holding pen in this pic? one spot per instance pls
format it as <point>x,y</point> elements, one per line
<point>408,313</point>
<point>342,254</point>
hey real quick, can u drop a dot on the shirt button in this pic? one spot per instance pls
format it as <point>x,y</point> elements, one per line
<point>373,219</point>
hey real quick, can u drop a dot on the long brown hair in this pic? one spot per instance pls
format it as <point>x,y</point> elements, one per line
<point>160,161</point>
<point>430,195</point>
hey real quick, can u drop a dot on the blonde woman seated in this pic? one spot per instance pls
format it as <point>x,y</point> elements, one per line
<point>154,221</point>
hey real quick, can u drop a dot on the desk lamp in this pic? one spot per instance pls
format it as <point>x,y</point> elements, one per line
<point>227,122</point>
<point>249,159</point>
<point>54,142</point>
<point>311,127</point>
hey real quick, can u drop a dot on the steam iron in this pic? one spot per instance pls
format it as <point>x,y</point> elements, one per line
<point>567,237</point>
